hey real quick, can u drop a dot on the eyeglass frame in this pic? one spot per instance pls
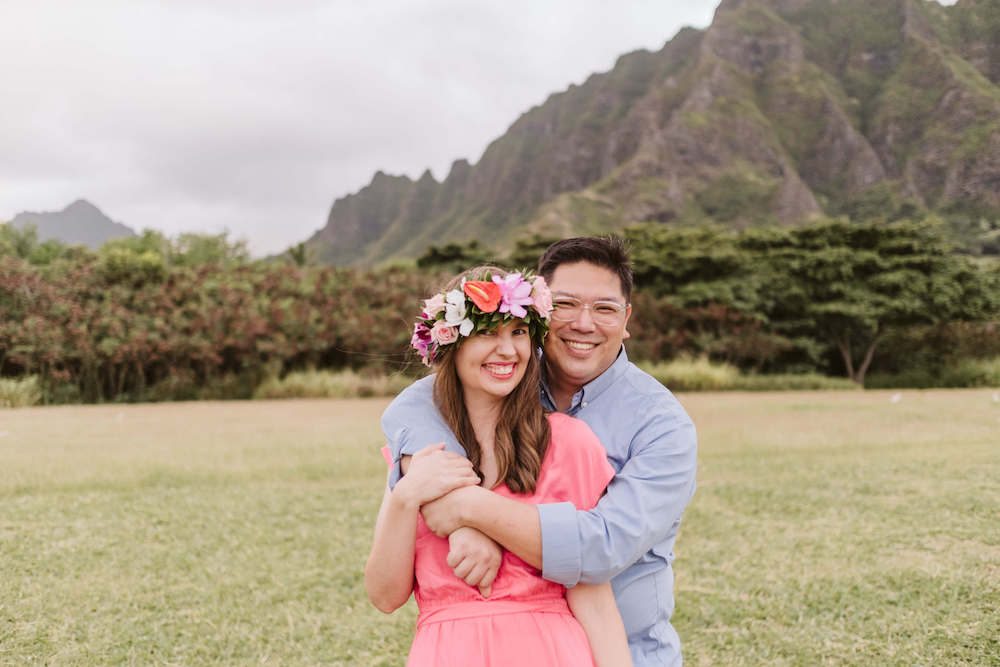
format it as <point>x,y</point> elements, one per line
<point>582,305</point>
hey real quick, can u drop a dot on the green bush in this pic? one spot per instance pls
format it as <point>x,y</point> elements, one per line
<point>327,384</point>
<point>20,392</point>
<point>968,373</point>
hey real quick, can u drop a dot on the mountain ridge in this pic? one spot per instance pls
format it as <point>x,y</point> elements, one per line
<point>778,112</point>
<point>79,223</point>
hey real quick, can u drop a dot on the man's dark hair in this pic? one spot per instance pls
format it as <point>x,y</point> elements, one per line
<point>608,252</point>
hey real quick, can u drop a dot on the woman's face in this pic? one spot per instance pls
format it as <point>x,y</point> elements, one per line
<point>490,365</point>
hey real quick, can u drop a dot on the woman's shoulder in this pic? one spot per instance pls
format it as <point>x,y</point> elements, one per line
<point>576,466</point>
<point>572,432</point>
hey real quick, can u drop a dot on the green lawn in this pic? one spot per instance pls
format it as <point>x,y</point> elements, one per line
<point>828,528</point>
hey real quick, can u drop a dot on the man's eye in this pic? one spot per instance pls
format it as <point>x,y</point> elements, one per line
<point>605,309</point>
<point>564,304</point>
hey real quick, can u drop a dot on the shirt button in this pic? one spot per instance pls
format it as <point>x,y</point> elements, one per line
<point>584,404</point>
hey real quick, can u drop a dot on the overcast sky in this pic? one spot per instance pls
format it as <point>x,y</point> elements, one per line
<point>255,115</point>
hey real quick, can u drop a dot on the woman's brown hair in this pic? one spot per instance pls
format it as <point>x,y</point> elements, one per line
<point>522,430</point>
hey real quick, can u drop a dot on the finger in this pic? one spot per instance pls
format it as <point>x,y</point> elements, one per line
<point>490,576</point>
<point>485,590</point>
<point>463,569</point>
<point>475,577</point>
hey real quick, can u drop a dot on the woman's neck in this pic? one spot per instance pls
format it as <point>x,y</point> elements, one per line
<point>484,412</point>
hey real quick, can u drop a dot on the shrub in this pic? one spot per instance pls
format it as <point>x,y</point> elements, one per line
<point>973,373</point>
<point>963,373</point>
<point>20,392</point>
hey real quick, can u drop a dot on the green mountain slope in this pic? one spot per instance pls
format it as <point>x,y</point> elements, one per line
<point>780,111</point>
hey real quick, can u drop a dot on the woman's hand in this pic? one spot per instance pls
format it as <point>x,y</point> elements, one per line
<point>433,472</point>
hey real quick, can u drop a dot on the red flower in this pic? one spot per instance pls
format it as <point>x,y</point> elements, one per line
<point>485,295</point>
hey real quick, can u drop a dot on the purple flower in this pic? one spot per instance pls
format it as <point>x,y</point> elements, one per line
<point>421,341</point>
<point>515,294</point>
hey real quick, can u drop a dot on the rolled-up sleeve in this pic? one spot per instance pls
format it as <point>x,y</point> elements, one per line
<point>412,421</point>
<point>643,503</point>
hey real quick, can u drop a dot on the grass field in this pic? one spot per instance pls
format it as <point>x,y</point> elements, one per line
<point>828,528</point>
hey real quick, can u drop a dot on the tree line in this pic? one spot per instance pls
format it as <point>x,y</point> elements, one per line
<point>152,318</point>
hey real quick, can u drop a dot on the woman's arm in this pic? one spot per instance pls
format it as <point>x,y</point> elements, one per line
<point>432,472</point>
<point>594,606</point>
<point>389,571</point>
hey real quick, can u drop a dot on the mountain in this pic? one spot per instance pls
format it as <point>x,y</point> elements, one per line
<point>79,223</point>
<point>779,111</point>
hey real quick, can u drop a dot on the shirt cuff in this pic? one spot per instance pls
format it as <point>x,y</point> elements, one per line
<point>560,543</point>
<point>400,444</point>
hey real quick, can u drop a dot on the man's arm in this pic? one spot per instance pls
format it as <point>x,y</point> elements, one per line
<point>412,422</point>
<point>644,500</point>
<point>643,503</point>
<point>510,522</point>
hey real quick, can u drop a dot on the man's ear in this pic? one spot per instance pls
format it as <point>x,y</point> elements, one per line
<point>628,313</point>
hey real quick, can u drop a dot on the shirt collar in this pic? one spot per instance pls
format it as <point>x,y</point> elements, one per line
<point>592,389</point>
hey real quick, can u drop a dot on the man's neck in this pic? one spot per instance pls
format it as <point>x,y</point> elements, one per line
<point>561,390</point>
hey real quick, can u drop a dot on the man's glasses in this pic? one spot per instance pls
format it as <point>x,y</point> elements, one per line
<point>568,308</point>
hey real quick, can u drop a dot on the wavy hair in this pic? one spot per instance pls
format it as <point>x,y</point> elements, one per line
<point>522,431</point>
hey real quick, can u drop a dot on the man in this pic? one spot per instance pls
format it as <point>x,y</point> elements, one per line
<point>650,440</point>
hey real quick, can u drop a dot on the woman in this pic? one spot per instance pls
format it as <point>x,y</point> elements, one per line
<point>483,338</point>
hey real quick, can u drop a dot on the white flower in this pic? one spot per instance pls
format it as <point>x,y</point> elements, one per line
<point>454,312</point>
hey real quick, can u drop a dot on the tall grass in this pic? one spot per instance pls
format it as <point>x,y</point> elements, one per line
<point>20,392</point>
<point>330,384</point>
<point>701,374</point>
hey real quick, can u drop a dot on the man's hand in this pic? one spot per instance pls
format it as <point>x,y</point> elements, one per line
<point>474,558</point>
<point>444,516</point>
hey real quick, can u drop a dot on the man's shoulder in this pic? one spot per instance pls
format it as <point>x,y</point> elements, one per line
<point>420,390</point>
<point>636,392</point>
<point>636,385</point>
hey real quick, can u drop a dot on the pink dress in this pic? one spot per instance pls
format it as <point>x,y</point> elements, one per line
<point>526,620</point>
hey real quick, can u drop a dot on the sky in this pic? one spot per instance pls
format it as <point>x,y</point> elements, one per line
<point>253,116</point>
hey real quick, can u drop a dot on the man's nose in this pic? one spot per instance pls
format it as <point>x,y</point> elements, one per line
<point>583,321</point>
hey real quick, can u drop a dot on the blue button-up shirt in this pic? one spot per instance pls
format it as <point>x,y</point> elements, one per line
<point>629,537</point>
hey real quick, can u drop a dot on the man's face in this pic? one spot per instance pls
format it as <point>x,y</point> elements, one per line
<point>578,351</point>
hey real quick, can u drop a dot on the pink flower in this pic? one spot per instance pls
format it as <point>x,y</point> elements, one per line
<point>514,294</point>
<point>421,340</point>
<point>434,305</point>
<point>444,334</point>
<point>541,297</point>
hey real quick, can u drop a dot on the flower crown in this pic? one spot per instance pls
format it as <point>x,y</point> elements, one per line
<point>482,305</point>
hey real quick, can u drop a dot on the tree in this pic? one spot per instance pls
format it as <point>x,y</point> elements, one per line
<point>454,257</point>
<point>301,255</point>
<point>850,282</point>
